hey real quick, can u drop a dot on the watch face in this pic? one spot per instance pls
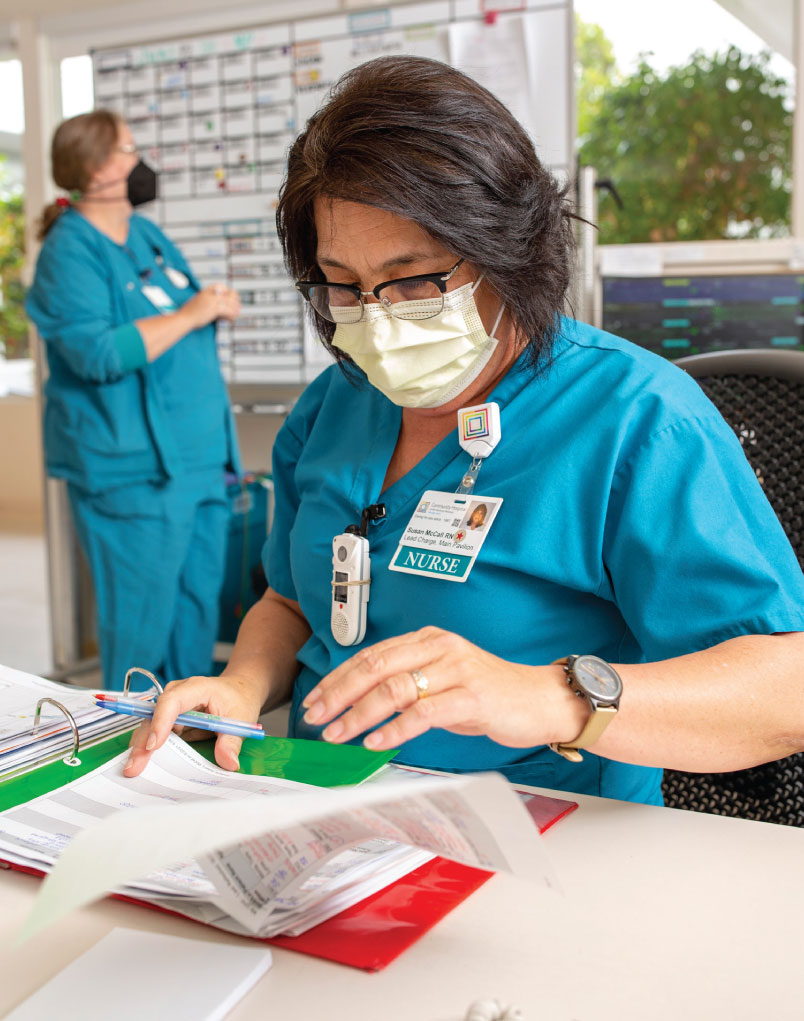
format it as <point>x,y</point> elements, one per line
<point>600,680</point>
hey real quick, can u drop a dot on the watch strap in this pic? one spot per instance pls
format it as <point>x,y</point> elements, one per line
<point>600,718</point>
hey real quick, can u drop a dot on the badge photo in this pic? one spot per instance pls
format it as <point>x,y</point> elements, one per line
<point>445,534</point>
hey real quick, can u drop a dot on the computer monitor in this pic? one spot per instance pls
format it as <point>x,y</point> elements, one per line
<point>676,316</point>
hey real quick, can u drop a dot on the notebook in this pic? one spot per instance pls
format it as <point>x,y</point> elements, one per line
<point>187,980</point>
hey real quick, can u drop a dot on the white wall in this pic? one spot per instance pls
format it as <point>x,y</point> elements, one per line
<point>21,469</point>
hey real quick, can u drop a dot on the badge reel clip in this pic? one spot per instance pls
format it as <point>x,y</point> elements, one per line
<point>351,578</point>
<point>479,433</point>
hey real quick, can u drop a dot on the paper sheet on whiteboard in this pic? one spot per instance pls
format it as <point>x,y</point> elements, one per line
<point>497,56</point>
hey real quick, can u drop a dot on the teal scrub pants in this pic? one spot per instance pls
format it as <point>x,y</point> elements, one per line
<point>157,555</point>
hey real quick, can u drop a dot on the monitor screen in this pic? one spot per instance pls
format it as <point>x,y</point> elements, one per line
<point>676,316</point>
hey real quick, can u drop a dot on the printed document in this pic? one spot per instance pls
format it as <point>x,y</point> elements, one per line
<point>252,854</point>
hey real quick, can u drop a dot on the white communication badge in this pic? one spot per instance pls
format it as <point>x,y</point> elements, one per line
<point>159,298</point>
<point>177,278</point>
<point>444,536</point>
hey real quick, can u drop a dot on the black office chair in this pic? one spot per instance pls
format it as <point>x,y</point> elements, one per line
<point>760,393</point>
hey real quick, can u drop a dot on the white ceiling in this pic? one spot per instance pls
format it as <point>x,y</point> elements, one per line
<point>69,23</point>
<point>10,10</point>
<point>771,20</point>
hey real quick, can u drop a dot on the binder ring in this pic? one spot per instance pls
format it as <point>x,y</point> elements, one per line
<point>148,674</point>
<point>71,759</point>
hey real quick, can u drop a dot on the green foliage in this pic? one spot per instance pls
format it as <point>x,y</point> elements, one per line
<point>13,323</point>
<point>701,152</point>
<point>595,72</point>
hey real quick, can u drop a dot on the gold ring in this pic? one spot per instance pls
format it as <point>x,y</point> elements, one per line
<point>422,684</point>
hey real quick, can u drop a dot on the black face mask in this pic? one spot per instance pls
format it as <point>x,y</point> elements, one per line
<point>141,184</point>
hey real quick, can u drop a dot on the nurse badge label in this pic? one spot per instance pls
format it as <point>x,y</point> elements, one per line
<point>444,536</point>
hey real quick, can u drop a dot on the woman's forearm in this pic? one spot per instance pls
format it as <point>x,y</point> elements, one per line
<point>267,644</point>
<point>159,333</point>
<point>728,707</point>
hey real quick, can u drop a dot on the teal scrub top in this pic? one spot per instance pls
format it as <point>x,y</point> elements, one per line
<point>112,417</point>
<point>632,528</point>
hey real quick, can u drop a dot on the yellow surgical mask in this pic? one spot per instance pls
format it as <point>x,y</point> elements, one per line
<point>420,363</point>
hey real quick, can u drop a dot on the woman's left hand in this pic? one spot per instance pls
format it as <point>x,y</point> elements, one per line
<point>434,678</point>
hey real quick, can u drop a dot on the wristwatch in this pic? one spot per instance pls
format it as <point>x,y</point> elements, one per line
<point>599,683</point>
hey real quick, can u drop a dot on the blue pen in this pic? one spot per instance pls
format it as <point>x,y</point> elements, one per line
<point>192,718</point>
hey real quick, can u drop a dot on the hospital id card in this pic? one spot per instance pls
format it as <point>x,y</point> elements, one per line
<point>159,298</point>
<point>444,536</point>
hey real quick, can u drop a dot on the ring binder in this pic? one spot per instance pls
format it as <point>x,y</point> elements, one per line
<point>69,760</point>
<point>148,674</point>
<point>367,935</point>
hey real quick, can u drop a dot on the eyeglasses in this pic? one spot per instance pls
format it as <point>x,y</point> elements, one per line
<point>403,298</point>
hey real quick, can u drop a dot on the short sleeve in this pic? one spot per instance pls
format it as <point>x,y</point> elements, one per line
<point>692,548</point>
<point>288,447</point>
<point>71,304</point>
<point>276,550</point>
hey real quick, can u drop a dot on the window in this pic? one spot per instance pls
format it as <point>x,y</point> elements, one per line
<point>77,93</point>
<point>690,119</point>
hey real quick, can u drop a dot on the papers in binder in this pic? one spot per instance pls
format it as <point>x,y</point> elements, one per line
<point>22,748</point>
<point>256,855</point>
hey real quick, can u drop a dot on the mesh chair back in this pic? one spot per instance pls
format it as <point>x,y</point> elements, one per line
<point>761,396</point>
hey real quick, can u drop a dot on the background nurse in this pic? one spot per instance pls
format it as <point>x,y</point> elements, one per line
<point>137,419</point>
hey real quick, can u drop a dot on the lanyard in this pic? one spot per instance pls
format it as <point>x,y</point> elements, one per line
<point>145,274</point>
<point>479,432</point>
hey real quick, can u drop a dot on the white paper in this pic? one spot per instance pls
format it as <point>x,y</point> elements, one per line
<point>38,831</point>
<point>475,820</point>
<point>496,55</point>
<point>19,693</point>
<point>631,260</point>
<point>184,980</point>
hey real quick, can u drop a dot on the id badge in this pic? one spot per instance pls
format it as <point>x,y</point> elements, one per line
<point>177,278</point>
<point>159,298</point>
<point>444,536</point>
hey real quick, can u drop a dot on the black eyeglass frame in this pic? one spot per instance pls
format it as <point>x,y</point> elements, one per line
<point>439,279</point>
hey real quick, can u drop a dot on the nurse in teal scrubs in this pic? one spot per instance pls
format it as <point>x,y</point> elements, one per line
<point>137,419</point>
<point>435,252</point>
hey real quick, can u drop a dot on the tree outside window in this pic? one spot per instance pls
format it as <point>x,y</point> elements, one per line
<point>13,323</point>
<point>700,151</point>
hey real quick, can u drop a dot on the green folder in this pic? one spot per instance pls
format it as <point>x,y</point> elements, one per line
<point>313,762</point>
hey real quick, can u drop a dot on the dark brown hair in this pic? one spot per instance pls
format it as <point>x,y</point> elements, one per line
<point>420,139</point>
<point>80,146</point>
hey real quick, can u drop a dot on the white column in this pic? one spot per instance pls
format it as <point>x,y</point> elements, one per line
<point>40,82</point>
<point>797,225</point>
<point>41,116</point>
<point>588,285</point>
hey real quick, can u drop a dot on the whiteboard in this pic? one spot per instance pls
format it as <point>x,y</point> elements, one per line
<point>215,114</point>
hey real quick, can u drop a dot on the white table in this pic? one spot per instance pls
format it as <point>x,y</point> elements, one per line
<point>666,915</point>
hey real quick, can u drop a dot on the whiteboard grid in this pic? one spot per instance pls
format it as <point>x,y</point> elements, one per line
<point>215,115</point>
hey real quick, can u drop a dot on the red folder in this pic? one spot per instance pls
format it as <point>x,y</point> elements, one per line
<point>371,934</point>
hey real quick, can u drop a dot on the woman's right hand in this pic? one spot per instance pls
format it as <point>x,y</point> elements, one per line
<point>228,695</point>
<point>214,302</point>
